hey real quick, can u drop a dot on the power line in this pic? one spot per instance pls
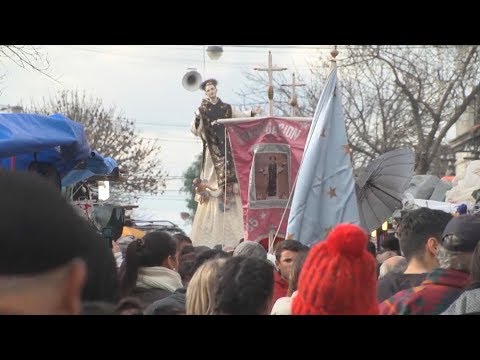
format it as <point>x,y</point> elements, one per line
<point>162,197</point>
<point>159,196</point>
<point>163,58</point>
<point>251,104</point>
<point>185,140</point>
<point>166,125</point>
<point>234,48</point>
<point>167,199</point>
<point>169,190</point>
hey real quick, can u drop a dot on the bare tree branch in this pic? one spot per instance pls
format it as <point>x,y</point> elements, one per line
<point>393,97</point>
<point>28,57</point>
<point>112,135</point>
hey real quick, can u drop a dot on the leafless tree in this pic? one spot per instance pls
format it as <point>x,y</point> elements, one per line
<point>254,95</point>
<point>374,113</point>
<point>29,57</point>
<point>432,86</point>
<point>394,96</point>
<point>112,134</point>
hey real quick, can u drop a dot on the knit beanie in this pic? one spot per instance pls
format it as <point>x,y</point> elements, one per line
<point>338,277</point>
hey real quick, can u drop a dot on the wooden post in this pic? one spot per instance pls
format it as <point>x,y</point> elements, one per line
<point>270,70</point>
<point>293,100</point>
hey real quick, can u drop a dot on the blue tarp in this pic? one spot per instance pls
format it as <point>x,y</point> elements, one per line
<point>96,164</point>
<point>55,139</point>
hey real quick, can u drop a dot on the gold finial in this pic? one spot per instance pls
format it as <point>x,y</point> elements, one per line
<point>334,53</point>
<point>270,92</point>
<point>293,101</point>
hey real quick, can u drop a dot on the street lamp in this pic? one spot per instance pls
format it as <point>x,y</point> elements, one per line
<point>214,52</point>
<point>385,226</point>
<point>192,80</point>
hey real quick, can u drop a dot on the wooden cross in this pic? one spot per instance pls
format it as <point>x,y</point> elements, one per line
<point>270,70</point>
<point>293,101</point>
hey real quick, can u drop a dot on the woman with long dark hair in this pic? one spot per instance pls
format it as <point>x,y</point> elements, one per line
<point>150,268</point>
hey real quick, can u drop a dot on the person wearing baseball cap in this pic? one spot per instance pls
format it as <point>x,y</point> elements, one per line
<point>445,284</point>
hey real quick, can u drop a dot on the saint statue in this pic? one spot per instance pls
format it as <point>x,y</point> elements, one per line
<point>218,220</point>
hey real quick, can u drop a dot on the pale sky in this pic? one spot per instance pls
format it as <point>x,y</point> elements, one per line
<point>144,82</point>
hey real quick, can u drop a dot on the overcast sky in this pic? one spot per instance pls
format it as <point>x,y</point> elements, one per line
<point>144,82</point>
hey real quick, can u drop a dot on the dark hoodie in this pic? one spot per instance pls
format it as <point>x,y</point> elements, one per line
<point>392,283</point>
<point>174,304</point>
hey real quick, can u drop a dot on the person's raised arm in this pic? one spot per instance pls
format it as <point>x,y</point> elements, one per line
<point>196,126</point>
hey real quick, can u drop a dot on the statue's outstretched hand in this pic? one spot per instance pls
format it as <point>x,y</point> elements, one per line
<point>257,111</point>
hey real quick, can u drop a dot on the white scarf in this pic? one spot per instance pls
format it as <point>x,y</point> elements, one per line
<point>159,277</point>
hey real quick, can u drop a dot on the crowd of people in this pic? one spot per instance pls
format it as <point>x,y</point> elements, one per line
<point>53,262</point>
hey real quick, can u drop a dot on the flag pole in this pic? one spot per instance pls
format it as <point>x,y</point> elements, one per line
<point>334,53</point>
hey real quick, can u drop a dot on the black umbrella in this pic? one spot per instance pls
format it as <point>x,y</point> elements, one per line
<point>380,187</point>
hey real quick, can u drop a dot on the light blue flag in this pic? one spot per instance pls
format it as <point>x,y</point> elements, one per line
<point>325,190</point>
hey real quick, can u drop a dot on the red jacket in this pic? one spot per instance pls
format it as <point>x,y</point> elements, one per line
<point>432,297</point>
<point>280,286</point>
